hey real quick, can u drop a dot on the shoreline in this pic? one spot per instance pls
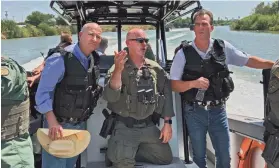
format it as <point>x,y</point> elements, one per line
<point>254,31</point>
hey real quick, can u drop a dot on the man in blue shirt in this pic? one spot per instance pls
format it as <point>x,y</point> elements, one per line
<point>200,73</point>
<point>63,87</point>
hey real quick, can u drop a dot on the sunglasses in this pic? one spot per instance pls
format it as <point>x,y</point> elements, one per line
<point>141,40</point>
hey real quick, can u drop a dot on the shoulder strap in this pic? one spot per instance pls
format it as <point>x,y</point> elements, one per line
<point>185,49</point>
<point>66,56</point>
<point>54,50</point>
<point>182,44</point>
<point>219,46</point>
<point>96,57</point>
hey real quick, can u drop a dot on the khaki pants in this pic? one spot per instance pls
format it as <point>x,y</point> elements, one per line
<point>128,145</point>
<point>17,152</point>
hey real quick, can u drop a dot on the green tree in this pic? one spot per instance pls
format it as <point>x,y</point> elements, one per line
<point>268,9</point>
<point>36,17</point>
<point>34,32</point>
<point>48,30</point>
<point>25,32</point>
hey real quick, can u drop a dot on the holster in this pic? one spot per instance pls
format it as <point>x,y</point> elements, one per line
<point>271,150</point>
<point>156,118</point>
<point>108,124</point>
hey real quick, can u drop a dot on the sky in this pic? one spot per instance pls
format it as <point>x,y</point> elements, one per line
<point>19,10</point>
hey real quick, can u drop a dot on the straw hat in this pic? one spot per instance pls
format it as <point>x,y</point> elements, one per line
<point>72,144</point>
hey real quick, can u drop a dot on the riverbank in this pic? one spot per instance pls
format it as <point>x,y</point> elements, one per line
<point>105,28</point>
<point>257,31</point>
<point>257,22</point>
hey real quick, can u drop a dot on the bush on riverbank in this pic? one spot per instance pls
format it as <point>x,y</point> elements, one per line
<point>10,29</point>
<point>264,17</point>
<point>257,22</point>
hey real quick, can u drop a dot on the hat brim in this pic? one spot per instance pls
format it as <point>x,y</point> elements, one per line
<point>80,139</point>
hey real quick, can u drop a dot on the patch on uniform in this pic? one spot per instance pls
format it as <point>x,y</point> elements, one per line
<point>4,71</point>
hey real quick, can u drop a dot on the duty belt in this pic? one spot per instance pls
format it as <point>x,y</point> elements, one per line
<point>134,123</point>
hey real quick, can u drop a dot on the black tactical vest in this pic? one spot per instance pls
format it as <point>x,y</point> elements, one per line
<point>214,69</point>
<point>77,94</point>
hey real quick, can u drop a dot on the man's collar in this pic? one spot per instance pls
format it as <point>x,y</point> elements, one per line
<point>209,46</point>
<point>131,63</point>
<point>78,51</point>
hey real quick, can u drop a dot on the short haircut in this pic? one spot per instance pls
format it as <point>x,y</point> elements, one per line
<point>202,12</point>
<point>104,42</point>
<point>65,37</point>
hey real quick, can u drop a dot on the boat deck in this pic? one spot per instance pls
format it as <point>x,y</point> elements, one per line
<point>177,163</point>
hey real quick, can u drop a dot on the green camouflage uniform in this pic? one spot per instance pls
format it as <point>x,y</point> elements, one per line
<point>16,145</point>
<point>141,141</point>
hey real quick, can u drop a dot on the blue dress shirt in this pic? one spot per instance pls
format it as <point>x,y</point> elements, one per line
<point>52,74</point>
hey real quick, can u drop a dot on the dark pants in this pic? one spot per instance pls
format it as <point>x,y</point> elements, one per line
<point>128,145</point>
<point>213,120</point>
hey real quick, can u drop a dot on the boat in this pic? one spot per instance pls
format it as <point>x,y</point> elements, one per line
<point>157,14</point>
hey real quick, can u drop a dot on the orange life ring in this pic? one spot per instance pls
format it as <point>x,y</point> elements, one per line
<point>247,149</point>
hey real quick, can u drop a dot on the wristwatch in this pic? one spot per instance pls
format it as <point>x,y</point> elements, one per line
<point>168,121</point>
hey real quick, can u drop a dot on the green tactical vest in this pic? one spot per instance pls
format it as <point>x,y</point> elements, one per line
<point>273,94</point>
<point>15,100</point>
<point>140,96</point>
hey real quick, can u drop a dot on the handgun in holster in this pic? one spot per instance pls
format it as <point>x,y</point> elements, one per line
<point>271,150</point>
<point>108,124</point>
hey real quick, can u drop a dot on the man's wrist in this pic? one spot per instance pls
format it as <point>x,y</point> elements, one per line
<point>168,121</point>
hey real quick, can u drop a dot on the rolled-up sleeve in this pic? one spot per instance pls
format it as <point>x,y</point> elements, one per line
<point>168,105</point>
<point>235,56</point>
<point>51,75</point>
<point>110,94</point>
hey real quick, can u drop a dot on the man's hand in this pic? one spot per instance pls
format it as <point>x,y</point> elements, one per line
<point>39,69</point>
<point>201,83</point>
<point>55,129</point>
<point>166,133</point>
<point>120,60</point>
<point>32,79</point>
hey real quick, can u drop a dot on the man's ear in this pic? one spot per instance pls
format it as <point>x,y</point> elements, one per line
<point>80,34</point>
<point>212,28</point>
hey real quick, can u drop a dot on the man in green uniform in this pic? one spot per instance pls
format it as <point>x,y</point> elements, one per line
<point>138,91</point>
<point>271,136</point>
<point>16,145</point>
